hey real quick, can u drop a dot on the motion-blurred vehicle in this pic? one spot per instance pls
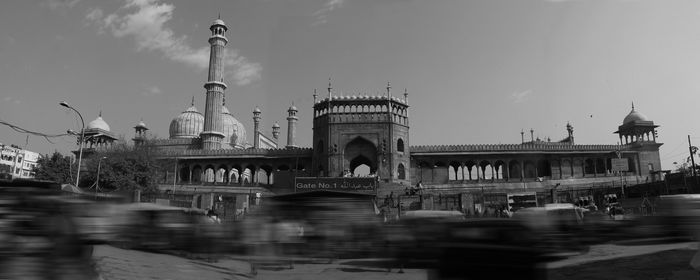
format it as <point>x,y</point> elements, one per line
<point>489,249</point>
<point>412,239</point>
<point>160,227</point>
<point>39,237</point>
<point>329,224</point>
<point>560,225</point>
<point>676,216</point>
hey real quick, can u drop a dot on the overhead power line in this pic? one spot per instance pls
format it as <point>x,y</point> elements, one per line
<point>27,131</point>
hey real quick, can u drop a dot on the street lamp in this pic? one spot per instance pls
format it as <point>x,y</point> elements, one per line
<point>80,141</point>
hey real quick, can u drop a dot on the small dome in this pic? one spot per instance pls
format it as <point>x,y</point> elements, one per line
<point>293,108</point>
<point>98,123</point>
<point>256,110</point>
<point>234,132</point>
<point>218,21</point>
<point>276,125</point>
<point>634,116</point>
<point>141,124</point>
<point>187,125</point>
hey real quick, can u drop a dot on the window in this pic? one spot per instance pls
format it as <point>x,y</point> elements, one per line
<point>651,167</point>
<point>399,145</point>
<point>402,172</point>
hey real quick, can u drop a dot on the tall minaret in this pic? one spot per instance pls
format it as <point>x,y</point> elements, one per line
<point>256,127</point>
<point>570,130</point>
<point>292,127</point>
<point>212,134</point>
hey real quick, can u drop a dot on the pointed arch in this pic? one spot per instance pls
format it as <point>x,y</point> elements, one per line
<point>360,151</point>
<point>401,170</point>
<point>399,145</point>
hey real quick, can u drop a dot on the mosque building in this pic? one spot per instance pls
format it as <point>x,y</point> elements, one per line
<point>213,155</point>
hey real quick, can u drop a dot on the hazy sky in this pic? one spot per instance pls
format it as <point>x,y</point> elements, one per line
<point>477,72</point>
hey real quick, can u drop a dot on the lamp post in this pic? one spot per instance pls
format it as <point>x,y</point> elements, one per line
<point>97,182</point>
<point>80,141</point>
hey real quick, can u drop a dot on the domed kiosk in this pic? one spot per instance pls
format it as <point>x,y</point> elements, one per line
<point>636,128</point>
<point>97,136</point>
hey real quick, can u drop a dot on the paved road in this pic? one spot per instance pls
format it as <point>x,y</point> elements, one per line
<point>114,263</point>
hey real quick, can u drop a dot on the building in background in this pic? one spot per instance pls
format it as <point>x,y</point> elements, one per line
<point>213,158</point>
<point>17,162</point>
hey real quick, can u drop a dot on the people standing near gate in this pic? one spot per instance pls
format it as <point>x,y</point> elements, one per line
<point>419,187</point>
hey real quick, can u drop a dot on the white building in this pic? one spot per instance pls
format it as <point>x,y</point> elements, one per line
<point>17,162</point>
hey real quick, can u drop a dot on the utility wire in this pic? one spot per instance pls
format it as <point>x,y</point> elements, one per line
<point>24,130</point>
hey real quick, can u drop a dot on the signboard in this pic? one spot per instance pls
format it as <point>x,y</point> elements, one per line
<point>344,184</point>
<point>522,200</point>
<point>619,164</point>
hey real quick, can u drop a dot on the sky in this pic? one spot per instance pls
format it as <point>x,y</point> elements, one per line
<point>477,72</point>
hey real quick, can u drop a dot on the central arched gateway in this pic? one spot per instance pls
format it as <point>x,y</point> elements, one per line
<point>360,151</point>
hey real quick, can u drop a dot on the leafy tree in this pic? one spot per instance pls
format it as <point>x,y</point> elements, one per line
<point>124,168</point>
<point>56,167</point>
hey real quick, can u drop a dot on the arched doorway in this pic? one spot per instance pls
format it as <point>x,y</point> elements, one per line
<point>185,174</point>
<point>361,151</point>
<point>402,171</point>
<point>360,166</point>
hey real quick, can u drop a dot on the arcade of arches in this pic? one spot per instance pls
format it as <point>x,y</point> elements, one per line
<point>237,174</point>
<point>430,170</point>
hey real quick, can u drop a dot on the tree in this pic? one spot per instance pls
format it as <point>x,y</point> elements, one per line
<point>124,168</point>
<point>56,167</point>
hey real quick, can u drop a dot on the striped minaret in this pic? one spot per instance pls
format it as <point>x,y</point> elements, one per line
<point>212,134</point>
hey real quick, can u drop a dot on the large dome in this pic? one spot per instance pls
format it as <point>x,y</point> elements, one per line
<point>187,125</point>
<point>234,132</point>
<point>98,123</point>
<point>634,116</point>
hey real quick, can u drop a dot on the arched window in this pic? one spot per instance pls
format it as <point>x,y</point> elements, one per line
<point>399,145</point>
<point>401,171</point>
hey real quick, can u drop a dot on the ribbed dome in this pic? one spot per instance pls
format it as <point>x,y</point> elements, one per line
<point>187,125</point>
<point>98,123</point>
<point>234,132</point>
<point>634,116</point>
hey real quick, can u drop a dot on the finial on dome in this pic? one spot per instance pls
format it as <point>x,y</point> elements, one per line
<point>100,115</point>
<point>632,105</point>
<point>192,100</point>
<point>219,17</point>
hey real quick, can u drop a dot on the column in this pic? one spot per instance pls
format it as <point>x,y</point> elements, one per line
<point>189,179</point>
<point>595,167</point>
<point>506,174</point>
